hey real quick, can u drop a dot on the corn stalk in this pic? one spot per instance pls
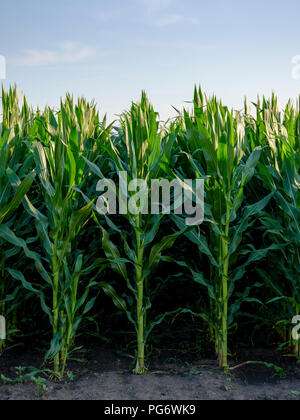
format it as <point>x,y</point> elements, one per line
<point>139,151</point>
<point>213,142</point>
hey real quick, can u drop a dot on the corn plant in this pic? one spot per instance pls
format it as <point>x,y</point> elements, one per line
<point>57,147</point>
<point>139,151</point>
<point>280,132</point>
<point>213,141</point>
<point>13,160</point>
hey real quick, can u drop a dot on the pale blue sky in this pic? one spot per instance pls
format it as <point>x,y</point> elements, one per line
<point>111,50</point>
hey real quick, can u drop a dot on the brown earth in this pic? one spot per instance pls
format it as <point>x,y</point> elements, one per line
<point>103,375</point>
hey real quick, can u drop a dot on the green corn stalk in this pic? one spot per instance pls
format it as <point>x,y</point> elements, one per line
<point>58,147</point>
<point>141,151</point>
<point>13,159</point>
<point>280,171</point>
<point>213,141</point>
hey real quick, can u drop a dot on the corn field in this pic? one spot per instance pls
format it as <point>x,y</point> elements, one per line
<point>60,258</point>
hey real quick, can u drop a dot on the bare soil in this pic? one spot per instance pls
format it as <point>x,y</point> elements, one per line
<point>104,375</point>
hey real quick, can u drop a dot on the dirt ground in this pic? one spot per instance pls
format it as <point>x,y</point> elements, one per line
<point>103,375</point>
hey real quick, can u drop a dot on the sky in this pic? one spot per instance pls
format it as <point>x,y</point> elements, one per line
<point>110,50</point>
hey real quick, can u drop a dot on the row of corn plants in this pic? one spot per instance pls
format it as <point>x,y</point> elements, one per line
<point>56,248</point>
